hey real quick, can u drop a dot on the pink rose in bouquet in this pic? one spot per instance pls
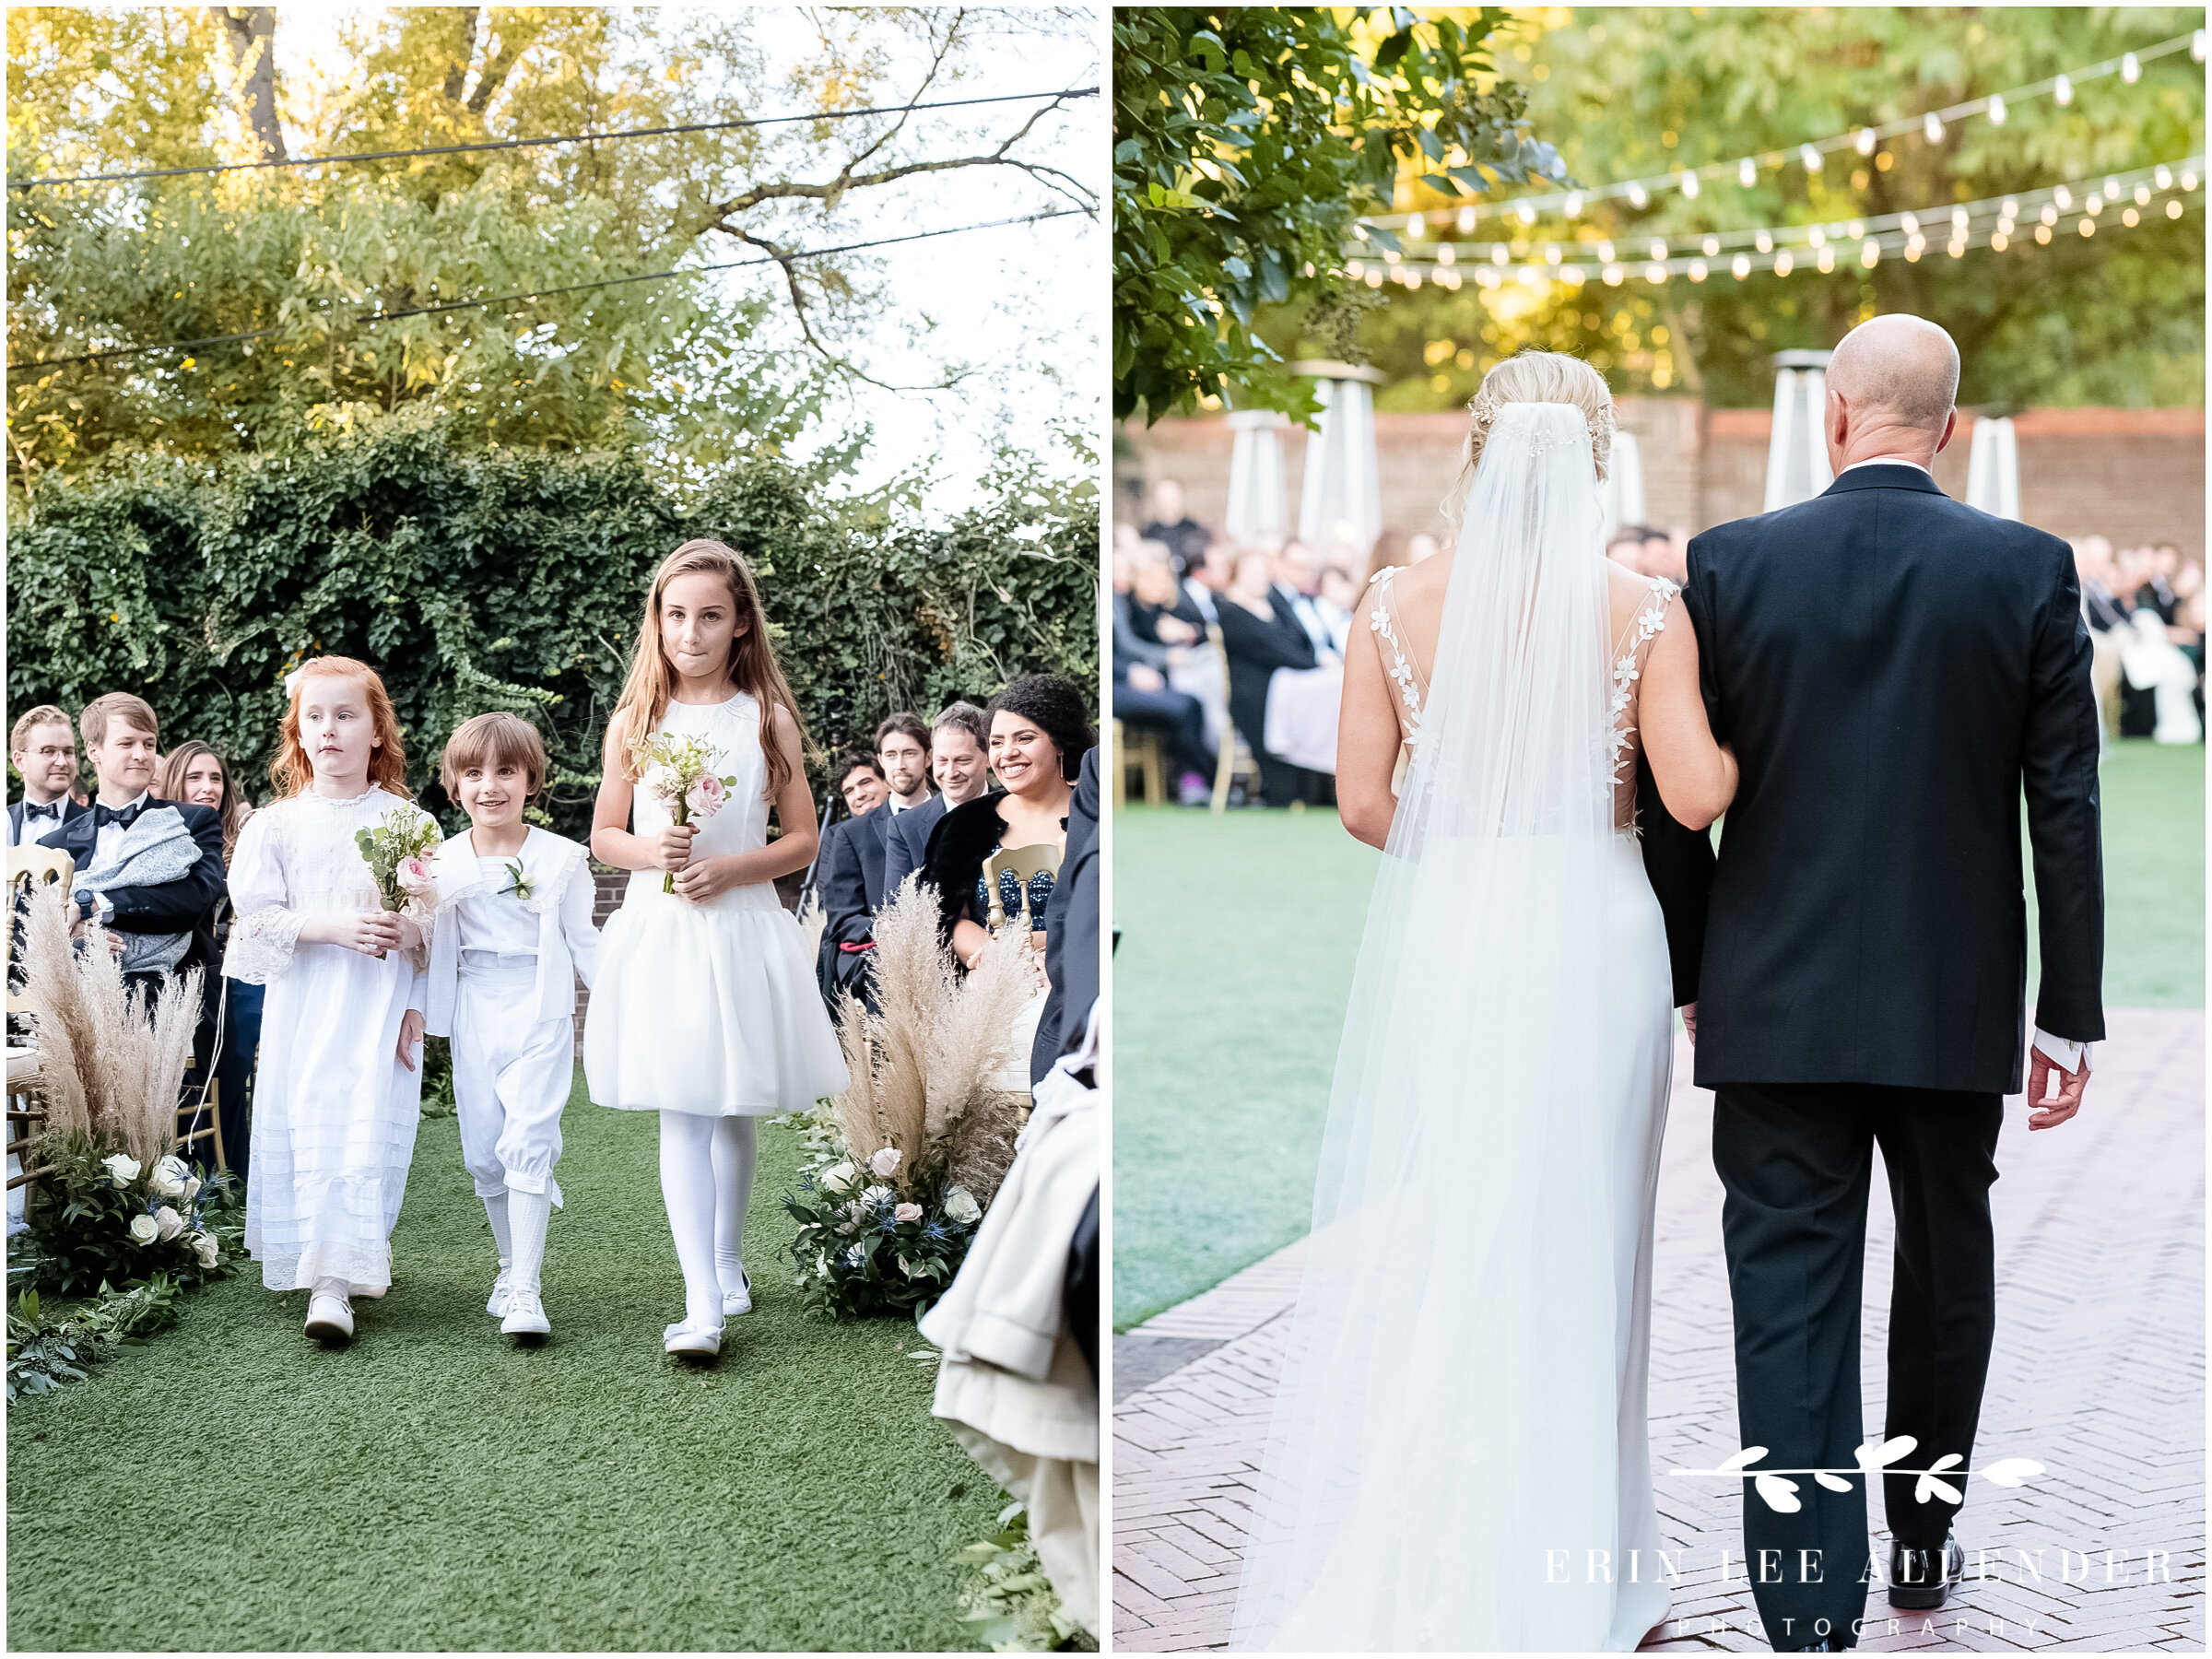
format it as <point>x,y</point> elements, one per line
<point>415,879</point>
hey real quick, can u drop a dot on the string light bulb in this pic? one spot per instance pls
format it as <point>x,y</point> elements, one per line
<point>1689,183</point>
<point>1865,141</point>
<point>1870,252</point>
<point>1528,214</point>
<point>1932,127</point>
<point>1747,173</point>
<point>1810,157</point>
<point>1741,266</point>
<point>1658,247</point>
<point>2062,197</point>
<point>1781,262</point>
<point>1766,242</point>
<point>1638,196</point>
<point>1696,270</point>
<point>1711,245</point>
<point>1996,109</point>
<point>1467,221</point>
<point>2196,45</point>
<point>1575,204</point>
<point>2063,90</point>
<point>2130,71</point>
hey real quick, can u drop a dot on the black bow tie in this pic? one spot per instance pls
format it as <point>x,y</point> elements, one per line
<point>52,809</point>
<point>122,817</point>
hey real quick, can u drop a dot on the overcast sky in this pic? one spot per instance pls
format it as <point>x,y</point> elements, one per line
<point>1024,303</point>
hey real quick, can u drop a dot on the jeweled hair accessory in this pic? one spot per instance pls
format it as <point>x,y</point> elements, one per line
<point>1487,406</point>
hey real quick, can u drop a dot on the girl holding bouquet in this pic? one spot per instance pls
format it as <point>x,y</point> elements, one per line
<point>339,1088</point>
<point>705,1009</point>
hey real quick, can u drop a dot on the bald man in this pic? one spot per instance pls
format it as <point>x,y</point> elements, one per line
<point>1894,671</point>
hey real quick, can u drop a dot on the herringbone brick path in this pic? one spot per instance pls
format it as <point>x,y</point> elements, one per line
<point>2098,1375</point>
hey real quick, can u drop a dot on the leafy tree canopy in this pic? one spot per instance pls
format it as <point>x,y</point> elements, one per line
<point>307,253</point>
<point>2116,319</point>
<point>1246,141</point>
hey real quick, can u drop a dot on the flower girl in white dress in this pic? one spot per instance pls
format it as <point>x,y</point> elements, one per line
<point>705,1009</point>
<point>339,1087</point>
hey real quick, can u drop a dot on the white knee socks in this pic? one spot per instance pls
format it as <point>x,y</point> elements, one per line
<point>734,1155</point>
<point>495,1207</point>
<point>688,1185</point>
<point>530,1212</point>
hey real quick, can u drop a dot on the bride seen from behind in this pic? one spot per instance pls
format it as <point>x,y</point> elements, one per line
<point>1459,1457</point>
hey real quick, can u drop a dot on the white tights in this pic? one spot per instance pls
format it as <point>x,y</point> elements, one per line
<point>707,1180</point>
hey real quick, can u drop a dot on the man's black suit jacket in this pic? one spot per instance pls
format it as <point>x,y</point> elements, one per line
<point>853,876</point>
<point>71,807</point>
<point>1893,670</point>
<point>1071,930</point>
<point>184,905</point>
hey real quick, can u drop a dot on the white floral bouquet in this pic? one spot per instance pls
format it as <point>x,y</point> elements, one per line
<point>398,850</point>
<point>674,770</point>
<point>865,1247</point>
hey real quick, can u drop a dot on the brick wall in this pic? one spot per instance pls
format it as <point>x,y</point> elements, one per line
<point>2134,475</point>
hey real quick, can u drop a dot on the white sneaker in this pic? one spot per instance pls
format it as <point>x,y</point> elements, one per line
<point>525,1315</point>
<point>330,1320</point>
<point>501,1289</point>
<point>735,1302</point>
<point>692,1342</point>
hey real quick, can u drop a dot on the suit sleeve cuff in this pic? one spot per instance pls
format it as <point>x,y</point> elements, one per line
<point>2063,1052</point>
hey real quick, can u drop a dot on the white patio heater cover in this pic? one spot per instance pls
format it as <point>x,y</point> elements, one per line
<point>1993,468</point>
<point>1340,484</point>
<point>1798,454</point>
<point>1622,491</point>
<point>1257,503</point>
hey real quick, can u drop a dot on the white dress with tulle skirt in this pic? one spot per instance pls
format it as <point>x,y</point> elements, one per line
<point>710,1009</point>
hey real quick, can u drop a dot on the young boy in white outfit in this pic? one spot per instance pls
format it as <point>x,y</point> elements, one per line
<point>513,934</point>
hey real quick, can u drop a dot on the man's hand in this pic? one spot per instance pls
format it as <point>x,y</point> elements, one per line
<point>1689,1022</point>
<point>410,1037</point>
<point>1147,679</point>
<point>2048,1113</point>
<point>117,943</point>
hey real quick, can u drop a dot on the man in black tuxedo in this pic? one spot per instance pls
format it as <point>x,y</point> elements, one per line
<point>846,867</point>
<point>1892,669</point>
<point>852,883</point>
<point>960,764</point>
<point>43,749</point>
<point>147,871</point>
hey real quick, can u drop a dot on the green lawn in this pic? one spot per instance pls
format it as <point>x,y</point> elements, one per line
<point>232,1487</point>
<point>1236,958</point>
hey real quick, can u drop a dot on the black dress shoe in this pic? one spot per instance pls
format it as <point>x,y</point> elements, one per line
<point>1920,1578</point>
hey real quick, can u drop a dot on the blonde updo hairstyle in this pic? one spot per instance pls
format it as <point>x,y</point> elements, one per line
<point>1532,377</point>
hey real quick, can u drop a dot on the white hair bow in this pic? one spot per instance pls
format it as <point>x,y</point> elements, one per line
<point>292,681</point>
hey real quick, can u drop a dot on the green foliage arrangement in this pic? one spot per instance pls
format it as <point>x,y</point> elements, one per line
<point>2118,318</point>
<point>46,1348</point>
<point>477,579</point>
<point>865,1248</point>
<point>100,1217</point>
<point>1010,1599</point>
<point>1247,139</point>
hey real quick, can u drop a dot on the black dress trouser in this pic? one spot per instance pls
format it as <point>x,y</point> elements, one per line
<point>1795,1160</point>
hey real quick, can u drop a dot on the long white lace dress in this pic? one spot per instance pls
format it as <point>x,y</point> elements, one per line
<point>1459,1457</point>
<point>710,1009</point>
<point>335,1112</point>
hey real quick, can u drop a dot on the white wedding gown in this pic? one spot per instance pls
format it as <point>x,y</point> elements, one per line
<point>1459,1457</point>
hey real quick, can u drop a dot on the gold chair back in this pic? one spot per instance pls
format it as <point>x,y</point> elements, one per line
<point>1024,863</point>
<point>27,866</point>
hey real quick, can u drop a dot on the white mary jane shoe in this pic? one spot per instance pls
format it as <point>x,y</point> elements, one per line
<point>525,1315</point>
<point>692,1342</point>
<point>735,1302</point>
<point>330,1320</point>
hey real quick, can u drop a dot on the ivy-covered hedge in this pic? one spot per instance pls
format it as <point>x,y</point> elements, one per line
<point>504,579</point>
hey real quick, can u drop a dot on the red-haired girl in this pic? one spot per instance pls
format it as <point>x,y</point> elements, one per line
<point>339,1087</point>
<point>705,1008</point>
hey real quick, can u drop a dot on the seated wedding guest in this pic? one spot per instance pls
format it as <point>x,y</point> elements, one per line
<point>1297,578</point>
<point>858,778</point>
<point>2156,568</point>
<point>2103,613</point>
<point>1186,539</point>
<point>1337,601</point>
<point>148,870</point>
<point>1160,611</point>
<point>1144,699</point>
<point>960,766</point>
<point>43,749</point>
<point>852,883</point>
<point>196,775</point>
<point>1627,547</point>
<point>1039,729</point>
<point>1666,553</point>
<point>1258,640</point>
<point>1392,547</point>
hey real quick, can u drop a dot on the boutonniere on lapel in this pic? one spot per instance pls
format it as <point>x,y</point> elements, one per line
<point>522,886</point>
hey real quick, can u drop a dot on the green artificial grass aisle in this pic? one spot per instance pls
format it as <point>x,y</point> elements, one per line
<point>1238,937</point>
<point>232,1487</point>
